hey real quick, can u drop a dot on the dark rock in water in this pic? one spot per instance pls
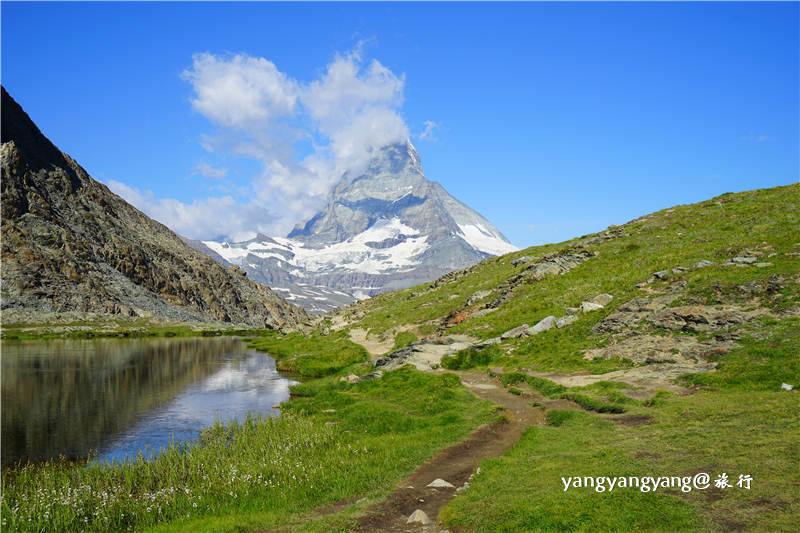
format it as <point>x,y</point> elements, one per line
<point>70,245</point>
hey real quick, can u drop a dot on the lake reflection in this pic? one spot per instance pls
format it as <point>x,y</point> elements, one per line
<point>120,396</point>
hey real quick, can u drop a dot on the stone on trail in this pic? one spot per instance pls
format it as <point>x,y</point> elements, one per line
<point>350,378</point>
<point>418,517</point>
<point>589,306</point>
<point>544,324</point>
<point>762,265</point>
<point>602,299</point>
<point>747,260</point>
<point>661,274</point>
<point>440,483</point>
<point>519,331</point>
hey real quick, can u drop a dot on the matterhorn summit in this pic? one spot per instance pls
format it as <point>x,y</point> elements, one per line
<point>386,229</point>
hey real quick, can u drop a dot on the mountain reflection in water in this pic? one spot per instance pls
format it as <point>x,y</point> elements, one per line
<point>122,396</point>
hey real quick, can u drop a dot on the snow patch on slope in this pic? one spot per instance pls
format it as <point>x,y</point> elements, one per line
<point>353,254</point>
<point>485,240</point>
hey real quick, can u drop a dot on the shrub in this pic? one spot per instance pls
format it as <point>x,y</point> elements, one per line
<point>470,358</point>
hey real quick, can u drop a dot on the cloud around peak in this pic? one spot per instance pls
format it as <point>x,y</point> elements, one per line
<point>259,113</point>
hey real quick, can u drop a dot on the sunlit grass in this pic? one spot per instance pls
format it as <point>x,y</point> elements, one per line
<point>311,355</point>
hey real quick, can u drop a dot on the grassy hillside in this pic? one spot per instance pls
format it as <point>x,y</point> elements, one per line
<point>743,318</point>
<point>764,222</point>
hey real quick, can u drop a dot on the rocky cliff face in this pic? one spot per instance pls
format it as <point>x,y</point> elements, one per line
<point>71,245</point>
<point>387,229</point>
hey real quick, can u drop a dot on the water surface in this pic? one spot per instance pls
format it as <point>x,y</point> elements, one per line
<point>122,396</point>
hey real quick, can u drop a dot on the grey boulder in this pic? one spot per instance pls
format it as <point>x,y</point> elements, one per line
<point>602,299</point>
<point>544,324</point>
<point>519,331</point>
<point>418,517</point>
<point>590,306</point>
<point>565,321</point>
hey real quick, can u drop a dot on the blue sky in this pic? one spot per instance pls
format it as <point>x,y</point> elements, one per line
<point>552,120</point>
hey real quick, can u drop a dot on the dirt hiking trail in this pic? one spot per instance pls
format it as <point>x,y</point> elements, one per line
<point>454,464</point>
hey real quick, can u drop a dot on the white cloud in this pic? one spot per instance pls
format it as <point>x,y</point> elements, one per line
<point>428,134</point>
<point>356,108</point>
<point>240,91</point>
<point>207,171</point>
<point>260,113</point>
<point>200,219</point>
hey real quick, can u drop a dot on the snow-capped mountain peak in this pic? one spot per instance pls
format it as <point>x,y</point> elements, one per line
<point>386,229</point>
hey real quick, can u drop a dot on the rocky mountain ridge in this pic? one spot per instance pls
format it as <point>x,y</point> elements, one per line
<point>70,245</point>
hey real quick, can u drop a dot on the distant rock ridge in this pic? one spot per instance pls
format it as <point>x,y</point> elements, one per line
<point>69,245</point>
<point>386,229</point>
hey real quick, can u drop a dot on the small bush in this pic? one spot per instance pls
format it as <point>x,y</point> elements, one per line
<point>403,339</point>
<point>658,399</point>
<point>592,404</point>
<point>512,378</point>
<point>545,386</point>
<point>557,418</point>
<point>470,358</point>
<point>542,385</point>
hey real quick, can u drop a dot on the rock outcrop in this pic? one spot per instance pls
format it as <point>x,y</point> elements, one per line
<point>70,245</point>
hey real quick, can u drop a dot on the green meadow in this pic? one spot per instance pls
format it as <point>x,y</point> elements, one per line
<point>338,447</point>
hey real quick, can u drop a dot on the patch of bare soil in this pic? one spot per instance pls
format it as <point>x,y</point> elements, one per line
<point>454,464</point>
<point>375,346</point>
<point>632,420</point>
<point>426,354</point>
<point>645,380</point>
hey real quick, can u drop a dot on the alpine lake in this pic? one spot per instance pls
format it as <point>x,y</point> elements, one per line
<point>116,398</point>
